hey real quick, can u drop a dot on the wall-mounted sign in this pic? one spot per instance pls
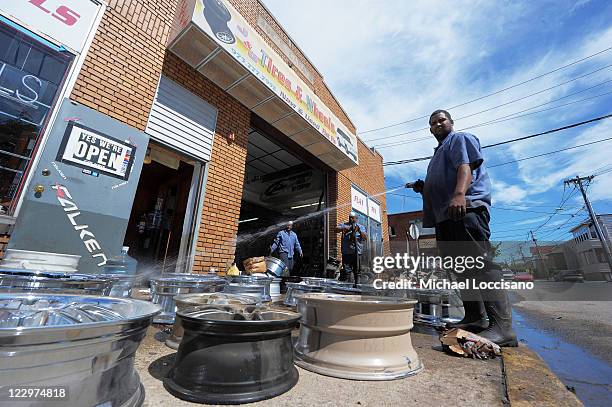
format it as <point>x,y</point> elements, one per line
<point>94,151</point>
<point>359,201</point>
<point>373,210</point>
<point>25,96</point>
<point>220,21</point>
<point>66,21</point>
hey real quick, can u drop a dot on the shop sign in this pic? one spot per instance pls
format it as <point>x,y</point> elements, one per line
<point>23,92</point>
<point>66,21</point>
<point>359,201</point>
<point>229,29</point>
<point>96,152</point>
<point>374,210</point>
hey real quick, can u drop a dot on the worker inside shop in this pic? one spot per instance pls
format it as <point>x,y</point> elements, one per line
<point>279,188</point>
<point>287,245</point>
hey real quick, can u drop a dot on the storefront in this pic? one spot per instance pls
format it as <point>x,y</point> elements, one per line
<point>227,129</point>
<point>369,215</point>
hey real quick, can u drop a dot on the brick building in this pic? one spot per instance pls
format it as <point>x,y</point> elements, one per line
<point>190,130</point>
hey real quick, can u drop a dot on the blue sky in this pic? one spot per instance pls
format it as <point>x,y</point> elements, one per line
<point>391,61</point>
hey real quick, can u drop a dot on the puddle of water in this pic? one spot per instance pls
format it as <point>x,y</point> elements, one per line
<point>590,376</point>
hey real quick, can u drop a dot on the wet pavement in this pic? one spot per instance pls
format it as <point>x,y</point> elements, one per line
<point>590,376</point>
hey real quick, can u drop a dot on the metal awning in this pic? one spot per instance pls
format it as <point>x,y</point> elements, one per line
<point>212,37</point>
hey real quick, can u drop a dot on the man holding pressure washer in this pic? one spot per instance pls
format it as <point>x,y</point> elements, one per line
<point>456,201</point>
<point>353,237</point>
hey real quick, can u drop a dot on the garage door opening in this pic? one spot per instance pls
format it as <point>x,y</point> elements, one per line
<point>279,187</point>
<point>163,211</point>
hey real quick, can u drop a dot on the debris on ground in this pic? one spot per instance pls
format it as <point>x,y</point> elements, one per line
<point>254,265</point>
<point>469,345</point>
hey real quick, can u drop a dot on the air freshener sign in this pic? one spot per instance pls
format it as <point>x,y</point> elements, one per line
<point>96,152</point>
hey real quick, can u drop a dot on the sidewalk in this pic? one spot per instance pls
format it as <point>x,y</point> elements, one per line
<point>446,380</point>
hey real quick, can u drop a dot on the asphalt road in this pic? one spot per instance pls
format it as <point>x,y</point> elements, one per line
<point>573,336</point>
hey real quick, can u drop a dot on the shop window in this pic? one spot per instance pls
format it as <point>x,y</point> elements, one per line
<point>31,75</point>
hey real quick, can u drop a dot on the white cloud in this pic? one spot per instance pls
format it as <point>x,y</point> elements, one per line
<point>507,194</point>
<point>392,61</point>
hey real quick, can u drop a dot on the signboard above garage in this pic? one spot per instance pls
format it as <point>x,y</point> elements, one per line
<point>67,22</point>
<point>216,40</point>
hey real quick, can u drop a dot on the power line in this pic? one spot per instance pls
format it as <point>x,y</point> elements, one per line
<point>561,203</point>
<point>523,210</point>
<point>501,119</point>
<point>511,101</point>
<point>551,152</point>
<point>493,93</point>
<point>511,140</point>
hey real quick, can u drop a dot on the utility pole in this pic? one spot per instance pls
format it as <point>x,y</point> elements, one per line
<point>539,254</point>
<point>578,182</point>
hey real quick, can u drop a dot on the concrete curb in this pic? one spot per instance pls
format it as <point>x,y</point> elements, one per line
<point>529,381</point>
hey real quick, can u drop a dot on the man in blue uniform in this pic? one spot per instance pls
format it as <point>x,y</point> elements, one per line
<point>353,237</point>
<point>456,201</point>
<point>287,243</point>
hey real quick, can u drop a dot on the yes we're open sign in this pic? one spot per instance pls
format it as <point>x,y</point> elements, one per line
<point>89,149</point>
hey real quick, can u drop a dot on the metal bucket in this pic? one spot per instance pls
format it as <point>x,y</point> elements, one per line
<point>300,288</point>
<point>20,281</point>
<point>356,337</point>
<point>184,301</point>
<point>275,289</point>
<point>257,292</point>
<point>251,355</point>
<point>164,288</point>
<point>276,266</point>
<point>43,261</point>
<point>84,344</point>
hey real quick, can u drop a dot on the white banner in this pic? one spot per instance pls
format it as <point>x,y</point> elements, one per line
<point>66,21</point>
<point>374,210</point>
<point>359,201</point>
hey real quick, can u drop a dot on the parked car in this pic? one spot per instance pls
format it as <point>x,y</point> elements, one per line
<point>507,274</point>
<point>524,277</point>
<point>569,275</point>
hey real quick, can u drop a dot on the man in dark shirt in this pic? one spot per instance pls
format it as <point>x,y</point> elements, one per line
<point>456,201</point>
<point>353,237</point>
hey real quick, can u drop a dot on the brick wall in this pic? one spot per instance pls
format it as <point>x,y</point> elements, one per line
<point>368,176</point>
<point>120,76</point>
<point>120,73</point>
<point>216,240</point>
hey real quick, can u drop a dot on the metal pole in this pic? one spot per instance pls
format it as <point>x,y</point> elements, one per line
<point>407,242</point>
<point>540,254</point>
<point>578,181</point>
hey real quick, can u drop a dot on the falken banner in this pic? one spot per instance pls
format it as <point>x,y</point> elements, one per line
<point>96,152</point>
<point>219,20</point>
